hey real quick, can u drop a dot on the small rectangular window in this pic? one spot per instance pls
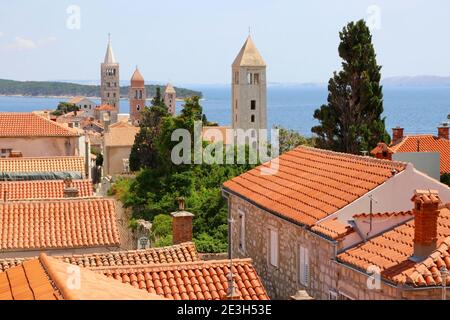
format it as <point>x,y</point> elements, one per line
<point>304,266</point>
<point>332,295</point>
<point>241,230</point>
<point>273,243</point>
<point>256,78</point>
<point>253,105</point>
<point>252,118</point>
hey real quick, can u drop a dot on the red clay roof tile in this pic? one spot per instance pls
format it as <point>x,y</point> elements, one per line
<point>332,229</point>
<point>42,189</point>
<point>32,125</point>
<point>27,225</point>
<point>426,143</point>
<point>42,164</point>
<point>391,251</point>
<point>199,284</point>
<point>311,183</point>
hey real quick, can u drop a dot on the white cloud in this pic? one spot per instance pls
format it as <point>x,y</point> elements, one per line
<point>22,44</point>
<point>1,34</point>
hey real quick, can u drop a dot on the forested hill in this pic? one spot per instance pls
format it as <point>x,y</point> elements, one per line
<point>48,88</point>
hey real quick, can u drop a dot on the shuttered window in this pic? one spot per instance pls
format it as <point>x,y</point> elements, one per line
<point>242,231</point>
<point>273,257</point>
<point>304,266</point>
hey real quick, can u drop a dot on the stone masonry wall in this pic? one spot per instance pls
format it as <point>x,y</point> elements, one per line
<point>282,282</point>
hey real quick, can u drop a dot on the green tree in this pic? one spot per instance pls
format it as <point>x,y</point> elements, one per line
<point>290,139</point>
<point>351,121</point>
<point>65,107</point>
<point>144,153</point>
<point>445,178</point>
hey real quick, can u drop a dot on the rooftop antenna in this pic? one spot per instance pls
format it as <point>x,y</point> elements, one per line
<point>372,200</point>
<point>231,290</point>
<point>249,31</point>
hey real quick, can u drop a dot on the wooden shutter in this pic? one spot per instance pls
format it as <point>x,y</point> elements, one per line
<point>274,248</point>
<point>304,266</point>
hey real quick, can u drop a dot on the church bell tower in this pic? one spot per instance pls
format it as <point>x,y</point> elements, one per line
<point>110,86</point>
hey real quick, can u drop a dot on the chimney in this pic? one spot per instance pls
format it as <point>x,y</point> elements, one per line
<point>426,213</point>
<point>69,190</point>
<point>181,224</point>
<point>397,135</point>
<point>106,121</point>
<point>443,131</point>
<point>382,151</point>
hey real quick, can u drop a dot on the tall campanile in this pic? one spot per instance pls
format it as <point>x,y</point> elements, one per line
<point>137,96</point>
<point>110,86</point>
<point>249,89</point>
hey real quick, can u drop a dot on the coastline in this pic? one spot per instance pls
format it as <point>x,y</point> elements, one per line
<point>68,97</point>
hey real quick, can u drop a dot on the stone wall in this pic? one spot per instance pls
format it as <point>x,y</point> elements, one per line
<point>283,281</point>
<point>127,240</point>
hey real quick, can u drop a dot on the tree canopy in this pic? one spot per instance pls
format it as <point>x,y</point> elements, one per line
<point>351,120</point>
<point>153,192</point>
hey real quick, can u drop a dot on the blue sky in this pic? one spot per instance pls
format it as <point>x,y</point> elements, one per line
<point>196,41</point>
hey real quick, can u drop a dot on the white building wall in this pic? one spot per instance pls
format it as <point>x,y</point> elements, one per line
<point>394,195</point>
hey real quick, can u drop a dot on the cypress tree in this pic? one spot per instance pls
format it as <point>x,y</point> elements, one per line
<point>351,121</point>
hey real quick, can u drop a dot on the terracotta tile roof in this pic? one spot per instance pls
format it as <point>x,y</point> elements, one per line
<point>77,99</point>
<point>380,148</point>
<point>311,183</point>
<point>121,134</point>
<point>56,224</point>
<point>426,143</point>
<point>201,280</point>
<point>391,251</point>
<point>28,281</point>
<point>42,189</point>
<point>31,125</point>
<point>45,278</point>
<point>105,107</point>
<point>332,229</point>
<point>383,215</point>
<point>184,252</point>
<point>42,164</point>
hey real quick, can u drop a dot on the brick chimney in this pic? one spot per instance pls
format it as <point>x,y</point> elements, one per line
<point>397,135</point>
<point>382,151</point>
<point>69,190</point>
<point>443,131</point>
<point>181,224</point>
<point>426,213</point>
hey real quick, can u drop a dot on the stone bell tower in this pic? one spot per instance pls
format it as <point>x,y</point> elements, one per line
<point>170,99</point>
<point>110,86</point>
<point>137,97</point>
<point>249,89</point>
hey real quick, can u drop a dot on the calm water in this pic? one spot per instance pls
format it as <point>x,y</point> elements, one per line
<point>418,110</point>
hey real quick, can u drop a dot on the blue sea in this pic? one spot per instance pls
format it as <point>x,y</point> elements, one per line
<point>418,109</point>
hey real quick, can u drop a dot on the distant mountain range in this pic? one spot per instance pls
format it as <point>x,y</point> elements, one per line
<point>66,89</point>
<point>417,81</point>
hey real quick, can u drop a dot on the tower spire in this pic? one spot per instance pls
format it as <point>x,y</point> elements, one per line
<point>109,56</point>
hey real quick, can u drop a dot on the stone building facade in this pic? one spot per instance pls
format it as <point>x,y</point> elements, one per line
<point>282,281</point>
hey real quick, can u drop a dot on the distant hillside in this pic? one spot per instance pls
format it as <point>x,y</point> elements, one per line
<point>417,81</point>
<point>47,88</point>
